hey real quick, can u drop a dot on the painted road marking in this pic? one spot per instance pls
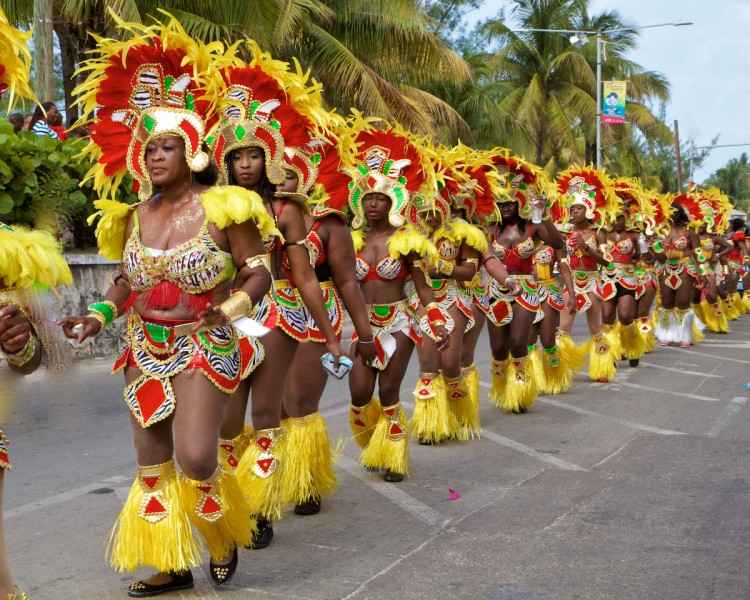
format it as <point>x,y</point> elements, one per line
<point>63,497</point>
<point>591,413</point>
<point>730,410</point>
<point>501,440</point>
<point>507,442</point>
<point>680,371</point>
<point>647,388</point>
<point>623,422</point>
<point>395,494</point>
<point>724,358</point>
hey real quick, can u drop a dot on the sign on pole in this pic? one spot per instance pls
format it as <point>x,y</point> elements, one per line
<point>613,102</point>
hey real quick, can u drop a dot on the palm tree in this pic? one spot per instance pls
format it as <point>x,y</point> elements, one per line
<point>542,90</point>
<point>734,180</point>
<point>378,55</point>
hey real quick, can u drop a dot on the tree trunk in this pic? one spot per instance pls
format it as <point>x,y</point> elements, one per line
<point>70,49</point>
<point>43,57</point>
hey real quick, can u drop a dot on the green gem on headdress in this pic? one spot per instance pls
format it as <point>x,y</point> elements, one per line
<point>398,191</point>
<point>387,166</point>
<point>253,107</point>
<point>190,102</point>
<point>149,123</point>
<point>356,197</point>
<point>363,170</point>
<point>239,132</point>
<point>168,81</point>
<point>275,124</point>
<point>316,158</point>
<point>402,180</point>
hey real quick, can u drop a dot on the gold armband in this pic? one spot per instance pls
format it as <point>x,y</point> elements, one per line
<point>98,317</point>
<point>25,354</point>
<point>259,260</point>
<point>445,267</point>
<point>238,305</point>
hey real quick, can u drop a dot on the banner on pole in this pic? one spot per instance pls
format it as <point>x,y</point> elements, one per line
<point>613,102</point>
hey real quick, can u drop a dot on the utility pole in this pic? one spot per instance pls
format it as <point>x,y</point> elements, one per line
<point>679,156</point>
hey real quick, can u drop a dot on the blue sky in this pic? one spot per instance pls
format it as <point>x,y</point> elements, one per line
<point>707,65</point>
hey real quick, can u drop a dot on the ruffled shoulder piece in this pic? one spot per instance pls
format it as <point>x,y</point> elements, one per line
<point>31,258</point>
<point>407,240</point>
<point>459,231</point>
<point>322,211</point>
<point>358,237</point>
<point>110,230</point>
<point>227,205</point>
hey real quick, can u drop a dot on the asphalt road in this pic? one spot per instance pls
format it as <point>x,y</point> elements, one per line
<point>635,489</point>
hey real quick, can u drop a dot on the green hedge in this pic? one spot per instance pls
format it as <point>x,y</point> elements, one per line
<point>40,184</point>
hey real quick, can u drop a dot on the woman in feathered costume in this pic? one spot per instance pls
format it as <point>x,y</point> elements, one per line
<point>657,224</point>
<point>710,301</point>
<point>738,271</point>
<point>314,172</point>
<point>445,405</point>
<point>267,110</point>
<point>678,251</point>
<point>622,282</point>
<point>591,202</point>
<point>191,275</point>
<point>30,261</point>
<point>389,176</point>
<point>523,227</point>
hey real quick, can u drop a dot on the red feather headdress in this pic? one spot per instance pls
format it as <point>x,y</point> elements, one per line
<point>389,162</point>
<point>267,105</point>
<point>525,180</point>
<point>591,188</point>
<point>151,85</point>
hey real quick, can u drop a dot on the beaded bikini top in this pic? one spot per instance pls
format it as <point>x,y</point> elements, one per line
<point>195,266</point>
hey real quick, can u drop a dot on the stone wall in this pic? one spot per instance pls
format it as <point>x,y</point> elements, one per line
<point>92,275</point>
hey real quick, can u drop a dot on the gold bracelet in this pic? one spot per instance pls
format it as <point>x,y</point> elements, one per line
<point>259,260</point>
<point>25,354</point>
<point>99,317</point>
<point>238,305</point>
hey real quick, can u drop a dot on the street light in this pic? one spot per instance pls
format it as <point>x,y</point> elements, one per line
<point>578,38</point>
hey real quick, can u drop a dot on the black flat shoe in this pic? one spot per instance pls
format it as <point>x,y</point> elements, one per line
<point>180,581</point>
<point>634,362</point>
<point>425,442</point>
<point>392,477</point>
<point>311,507</point>
<point>263,535</point>
<point>223,573</point>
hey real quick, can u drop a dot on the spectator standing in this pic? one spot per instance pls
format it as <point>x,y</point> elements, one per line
<point>40,123</point>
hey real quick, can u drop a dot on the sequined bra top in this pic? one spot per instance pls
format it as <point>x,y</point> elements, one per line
<point>579,259</point>
<point>388,269</point>
<point>317,251</point>
<point>195,266</point>
<point>676,248</point>
<point>623,251</point>
<point>518,259</point>
<point>708,247</point>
